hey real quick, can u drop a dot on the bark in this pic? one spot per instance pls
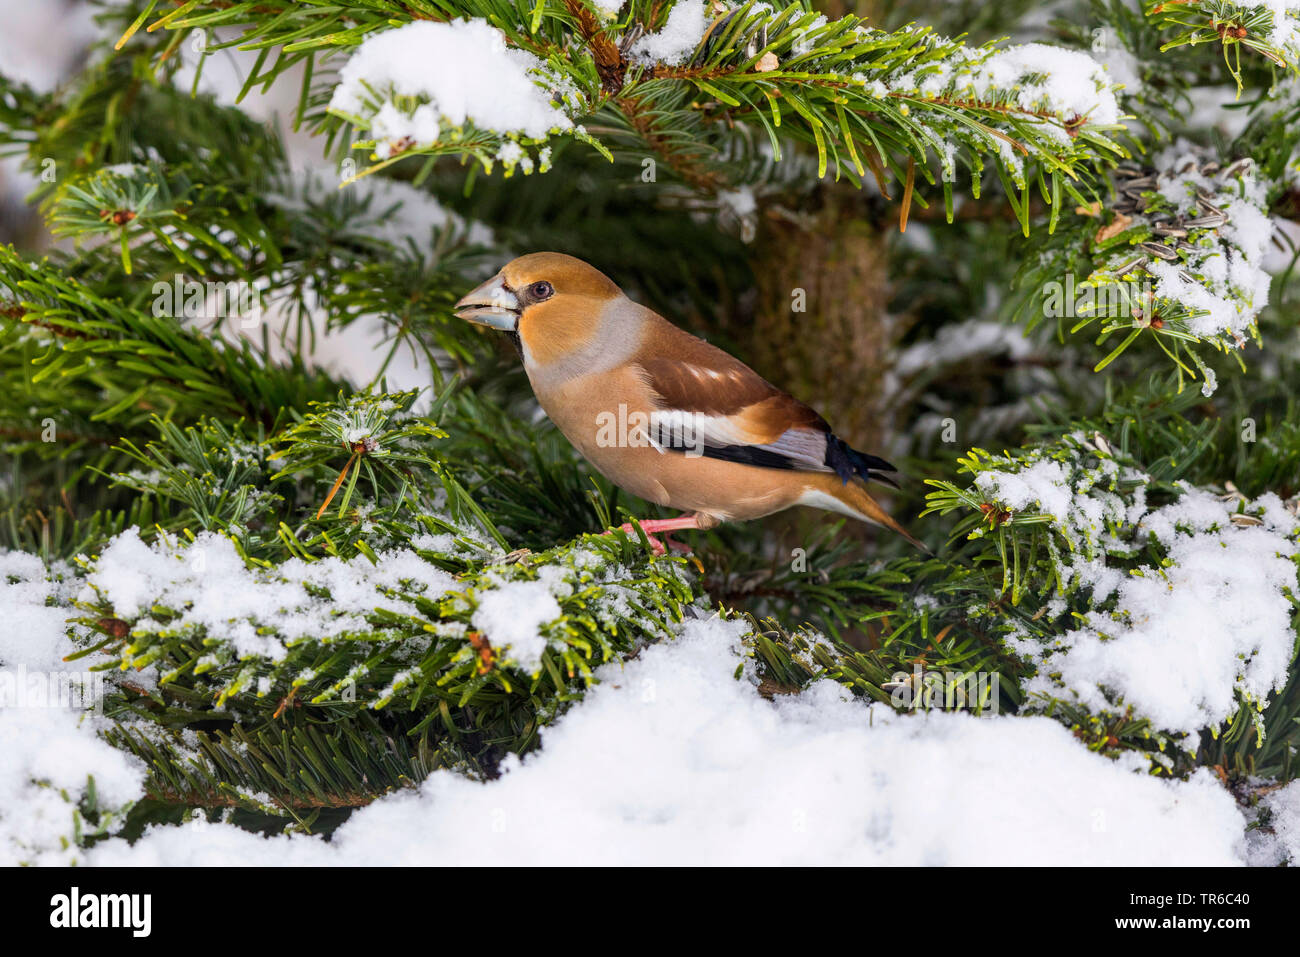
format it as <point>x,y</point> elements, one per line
<point>835,354</point>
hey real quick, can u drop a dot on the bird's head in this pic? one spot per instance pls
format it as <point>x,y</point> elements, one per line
<point>553,302</point>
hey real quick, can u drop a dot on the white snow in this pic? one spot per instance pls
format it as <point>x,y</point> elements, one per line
<point>47,751</point>
<point>49,746</point>
<point>1185,639</point>
<point>1068,83</point>
<point>804,43</point>
<point>511,617</point>
<point>1045,486</point>
<point>1286,24</point>
<point>252,611</point>
<point>962,340</point>
<point>462,71</point>
<point>1074,84</point>
<point>670,760</point>
<point>680,35</point>
<point>1120,62</point>
<point>1223,278</point>
<point>33,632</point>
<point>1282,844</point>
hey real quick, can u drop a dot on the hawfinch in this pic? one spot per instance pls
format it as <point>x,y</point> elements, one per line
<point>663,414</point>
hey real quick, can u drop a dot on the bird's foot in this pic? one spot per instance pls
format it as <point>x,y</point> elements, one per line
<point>629,530</point>
<point>663,525</point>
<point>679,547</point>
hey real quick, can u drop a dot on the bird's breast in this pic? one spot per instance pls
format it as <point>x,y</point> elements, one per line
<point>607,418</point>
<point>599,413</point>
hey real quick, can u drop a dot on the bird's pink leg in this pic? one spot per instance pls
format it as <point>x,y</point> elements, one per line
<point>650,526</point>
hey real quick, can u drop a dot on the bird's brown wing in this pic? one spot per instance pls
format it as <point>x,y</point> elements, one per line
<point>713,403</point>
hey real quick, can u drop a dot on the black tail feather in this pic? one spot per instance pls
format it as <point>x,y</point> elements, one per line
<point>847,462</point>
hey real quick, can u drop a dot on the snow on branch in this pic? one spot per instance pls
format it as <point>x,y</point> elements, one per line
<point>458,85</point>
<point>637,773</point>
<point>1178,613</point>
<point>501,86</point>
<point>1178,256</point>
<point>60,783</point>
<point>383,629</point>
<point>871,98</point>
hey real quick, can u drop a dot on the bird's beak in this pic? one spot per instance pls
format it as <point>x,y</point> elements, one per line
<point>491,304</point>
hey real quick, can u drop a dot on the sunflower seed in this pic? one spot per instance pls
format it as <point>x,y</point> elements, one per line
<point>1213,221</point>
<point>1241,518</point>
<point>1209,169</point>
<point>715,30</point>
<point>519,555</point>
<point>1130,265</point>
<point>633,34</point>
<point>1161,230</point>
<point>1241,166</point>
<point>1157,250</point>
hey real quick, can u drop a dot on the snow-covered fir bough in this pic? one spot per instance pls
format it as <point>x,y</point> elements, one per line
<point>293,567</point>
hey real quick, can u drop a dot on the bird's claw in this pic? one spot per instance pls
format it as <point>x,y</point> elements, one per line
<point>665,527</point>
<point>630,530</point>
<point>679,547</point>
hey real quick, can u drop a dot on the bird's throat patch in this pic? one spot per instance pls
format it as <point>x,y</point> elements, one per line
<point>553,331</point>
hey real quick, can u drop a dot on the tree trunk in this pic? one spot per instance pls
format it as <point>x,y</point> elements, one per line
<point>834,354</point>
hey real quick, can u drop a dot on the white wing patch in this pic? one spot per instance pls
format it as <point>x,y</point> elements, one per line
<point>693,431</point>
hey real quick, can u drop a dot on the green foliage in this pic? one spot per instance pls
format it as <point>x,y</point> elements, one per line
<point>782,71</point>
<point>1116,471</point>
<point>1157,269</point>
<point>402,678</point>
<point>1234,26</point>
<point>412,663</point>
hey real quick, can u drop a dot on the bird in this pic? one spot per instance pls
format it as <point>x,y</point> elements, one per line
<point>664,414</point>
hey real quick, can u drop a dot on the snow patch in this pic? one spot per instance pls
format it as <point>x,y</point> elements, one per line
<point>462,71</point>
<point>680,35</point>
<point>670,760</point>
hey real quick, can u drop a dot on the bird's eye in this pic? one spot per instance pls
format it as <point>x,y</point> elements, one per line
<point>540,290</point>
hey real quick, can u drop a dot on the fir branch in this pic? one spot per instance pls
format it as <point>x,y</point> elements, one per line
<point>840,88</point>
<point>1234,25</point>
